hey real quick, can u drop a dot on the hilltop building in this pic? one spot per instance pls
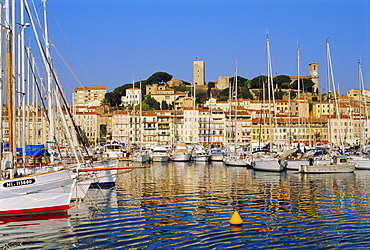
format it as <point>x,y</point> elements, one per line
<point>198,73</point>
<point>314,74</point>
<point>133,97</point>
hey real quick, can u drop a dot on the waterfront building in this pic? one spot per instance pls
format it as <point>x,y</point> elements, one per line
<point>121,126</point>
<point>320,109</point>
<point>89,125</point>
<point>204,125</point>
<point>177,126</point>
<point>164,118</point>
<point>150,126</point>
<point>191,125</point>
<point>243,124</point>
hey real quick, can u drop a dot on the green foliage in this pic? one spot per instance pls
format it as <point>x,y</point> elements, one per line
<point>113,98</point>
<point>245,93</point>
<point>164,105</point>
<point>305,85</point>
<point>280,80</point>
<point>210,86</point>
<point>224,94</point>
<point>279,94</point>
<point>201,96</point>
<point>151,102</point>
<point>257,82</point>
<point>159,77</point>
<point>293,94</point>
<point>182,88</point>
<point>285,85</point>
<point>242,82</point>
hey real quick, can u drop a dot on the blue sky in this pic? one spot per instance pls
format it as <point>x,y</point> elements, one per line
<point>110,42</point>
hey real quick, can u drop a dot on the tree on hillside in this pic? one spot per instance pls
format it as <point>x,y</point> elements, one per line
<point>245,93</point>
<point>280,80</point>
<point>182,88</point>
<point>242,82</point>
<point>201,96</point>
<point>113,98</point>
<point>293,94</point>
<point>279,94</point>
<point>152,103</point>
<point>223,95</point>
<point>159,77</point>
<point>210,86</point>
<point>306,85</point>
<point>164,105</point>
<point>257,82</point>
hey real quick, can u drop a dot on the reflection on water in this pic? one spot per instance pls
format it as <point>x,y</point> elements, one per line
<point>174,205</point>
<point>45,232</point>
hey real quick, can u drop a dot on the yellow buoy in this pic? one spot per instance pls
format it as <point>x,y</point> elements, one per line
<point>236,219</point>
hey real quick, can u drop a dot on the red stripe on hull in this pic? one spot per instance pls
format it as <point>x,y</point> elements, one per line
<point>40,210</point>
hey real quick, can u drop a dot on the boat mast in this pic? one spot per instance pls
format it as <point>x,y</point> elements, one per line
<point>23,83</point>
<point>10,71</point>
<point>299,95</point>
<point>51,137</point>
<point>1,89</point>
<point>270,91</point>
<point>329,91</point>
<point>141,117</point>
<point>233,122</point>
<point>331,77</point>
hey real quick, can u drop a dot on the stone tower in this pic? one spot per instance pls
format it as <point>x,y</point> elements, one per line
<point>314,74</point>
<point>198,73</point>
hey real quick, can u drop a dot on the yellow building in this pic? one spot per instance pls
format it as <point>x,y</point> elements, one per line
<point>320,109</point>
<point>89,96</point>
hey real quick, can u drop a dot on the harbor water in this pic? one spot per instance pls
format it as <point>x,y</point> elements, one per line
<point>179,205</point>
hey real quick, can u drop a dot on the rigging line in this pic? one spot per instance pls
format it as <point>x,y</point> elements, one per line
<point>74,52</point>
<point>70,69</point>
<point>48,64</point>
<point>38,89</point>
<point>37,17</point>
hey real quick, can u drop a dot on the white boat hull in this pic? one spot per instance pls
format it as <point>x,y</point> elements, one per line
<point>104,177</point>
<point>216,157</point>
<point>40,193</point>
<point>361,162</point>
<point>160,158</point>
<point>235,161</point>
<point>201,158</point>
<point>181,157</point>
<point>294,164</point>
<point>141,158</point>
<point>80,189</point>
<point>267,164</point>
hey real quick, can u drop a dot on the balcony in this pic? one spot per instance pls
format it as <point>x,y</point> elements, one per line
<point>164,127</point>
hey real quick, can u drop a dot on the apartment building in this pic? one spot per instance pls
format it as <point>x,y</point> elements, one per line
<point>88,96</point>
<point>133,97</point>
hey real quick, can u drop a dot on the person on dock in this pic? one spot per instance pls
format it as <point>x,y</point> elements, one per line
<point>310,161</point>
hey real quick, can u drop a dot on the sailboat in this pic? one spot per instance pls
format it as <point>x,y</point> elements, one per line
<point>362,161</point>
<point>232,158</point>
<point>26,191</point>
<point>140,155</point>
<point>268,161</point>
<point>339,162</point>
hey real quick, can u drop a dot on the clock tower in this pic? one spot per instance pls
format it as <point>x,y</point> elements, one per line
<point>314,74</point>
